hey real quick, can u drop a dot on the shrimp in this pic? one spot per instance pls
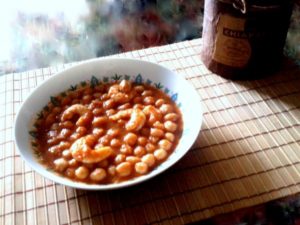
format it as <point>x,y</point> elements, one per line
<point>125,113</point>
<point>81,110</point>
<point>137,120</point>
<point>153,113</point>
<point>82,151</point>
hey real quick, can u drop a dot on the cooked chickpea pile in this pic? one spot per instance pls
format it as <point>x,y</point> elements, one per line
<point>107,133</point>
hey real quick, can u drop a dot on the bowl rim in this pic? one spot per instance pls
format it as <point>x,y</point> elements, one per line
<point>56,177</point>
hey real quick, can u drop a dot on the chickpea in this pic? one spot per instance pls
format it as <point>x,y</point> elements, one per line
<point>73,163</point>
<point>110,112</point>
<point>158,125</point>
<point>67,154</point>
<point>139,88</point>
<point>121,98</point>
<point>165,144</point>
<point>56,110</point>
<point>150,147</point>
<point>98,174</point>
<point>155,132</point>
<point>170,126</point>
<point>52,133</point>
<point>159,102</point>
<point>166,108</point>
<point>95,104</point>
<point>105,140</point>
<point>113,132</point>
<point>97,111</point>
<point>169,136</point>
<point>138,106</point>
<point>126,149</point>
<point>70,172</point>
<point>100,121</point>
<point>113,89</point>
<point>98,132</point>
<point>121,122</point>
<point>171,116</point>
<point>141,167</point>
<point>130,138</point>
<point>90,140</point>
<point>82,172</point>
<point>139,151</point>
<point>149,159</point>
<point>64,145</point>
<point>97,95</point>
<point>111,170</point>
<point>120,158</point>
<point>124,169</point>
<point>160,154</point>
<point>147,93</point>
<point>75,136</point>
<point>53,141</point>
<point>54,126</point>
<point>85,120</point>
<point>87,91</point>
<point>132,159</point>
<point>142,141</point>
<point>64,133</point>
<point>98,145</point>
<point>81,130</point>
<point>87,99</point>
<point>67,124</point>
<point>115,143</point>
<point>149,100</point>
<point>153,139</point>
<point>74,94</point>
<point>124,106</point>
<point>99,88</point>
<point>104,96</point>
<point>50,119</point>
<point>125,86</point>
<point>66,101</point>
<point>60,164</point>
<point>75,101</point>
<point>108,104</point>
<point>54,149</point>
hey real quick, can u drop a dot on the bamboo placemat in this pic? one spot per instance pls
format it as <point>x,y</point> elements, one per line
<point>247,153</point>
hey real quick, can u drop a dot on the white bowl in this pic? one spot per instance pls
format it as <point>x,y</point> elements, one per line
<point>105,70</point>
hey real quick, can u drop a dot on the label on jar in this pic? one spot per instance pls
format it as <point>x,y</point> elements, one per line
<point>232,47</point>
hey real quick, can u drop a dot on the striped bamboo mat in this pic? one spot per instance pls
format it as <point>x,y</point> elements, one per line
<point>247,153</point>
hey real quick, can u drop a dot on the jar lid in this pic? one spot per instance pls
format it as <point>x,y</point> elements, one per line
<point>245,5</point>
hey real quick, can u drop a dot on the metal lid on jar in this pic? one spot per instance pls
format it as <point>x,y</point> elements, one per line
<point>256,5</point>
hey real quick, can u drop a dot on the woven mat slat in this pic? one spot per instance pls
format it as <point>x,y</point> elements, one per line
<point>247,153</point>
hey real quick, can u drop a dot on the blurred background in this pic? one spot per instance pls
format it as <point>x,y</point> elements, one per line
<point>36,33</point>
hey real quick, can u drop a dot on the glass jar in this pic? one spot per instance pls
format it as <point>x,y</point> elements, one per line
<point>244,39</point>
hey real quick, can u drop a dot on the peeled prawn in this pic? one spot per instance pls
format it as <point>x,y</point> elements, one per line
<point>72,110</point>
<point>125,113</point>
<point>137,120</point>
<point>82,152</point>
<point>76,109</point>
